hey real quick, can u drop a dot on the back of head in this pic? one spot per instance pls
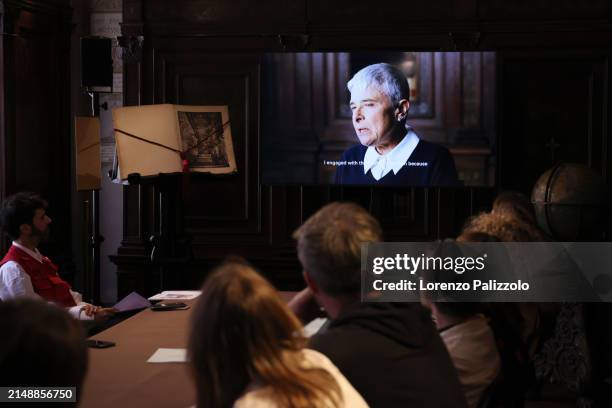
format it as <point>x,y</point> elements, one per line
<point>464,310</point>
<point>476,236</point>
<point>40,345</point>
<point>243,331</point>
<point>386,78</point>
<point>515,205</point>
<point>19,209</point>
<point>503,227</point>
<point>329,246</point>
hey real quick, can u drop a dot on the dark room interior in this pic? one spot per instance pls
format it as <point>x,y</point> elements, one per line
<point>517,92</point>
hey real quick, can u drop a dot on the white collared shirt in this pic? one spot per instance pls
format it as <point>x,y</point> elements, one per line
<point>15,282</point>
<point>380,164</point>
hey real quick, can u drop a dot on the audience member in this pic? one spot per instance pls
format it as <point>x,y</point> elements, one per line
<point>390,352</point>
<point>516,326</point>
<point>516,206</point>
<point>468,337</point>
<point>24,271</point>
<point>40,346</point>
<point>471,345</point>
<point>503,227</point>
<point>246,349</point>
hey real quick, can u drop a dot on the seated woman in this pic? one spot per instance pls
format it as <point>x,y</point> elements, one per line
<point>247,349</point>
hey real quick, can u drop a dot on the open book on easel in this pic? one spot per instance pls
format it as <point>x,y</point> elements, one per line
<point>154,139</point>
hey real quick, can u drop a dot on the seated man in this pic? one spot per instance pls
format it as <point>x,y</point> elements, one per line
<point>390,352</point>
<point>24,271</point>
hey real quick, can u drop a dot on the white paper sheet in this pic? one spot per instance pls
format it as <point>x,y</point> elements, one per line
<point>133,301</point>
<point>169,355</point>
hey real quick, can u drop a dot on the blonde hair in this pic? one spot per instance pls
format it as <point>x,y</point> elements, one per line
<point>503,227</point>
<point>329,246</point>
<point>242,332</point>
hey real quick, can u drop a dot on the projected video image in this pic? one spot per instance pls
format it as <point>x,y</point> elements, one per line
<point>379,118</point>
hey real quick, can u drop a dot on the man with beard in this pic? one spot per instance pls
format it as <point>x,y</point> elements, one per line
<point>24,271</point>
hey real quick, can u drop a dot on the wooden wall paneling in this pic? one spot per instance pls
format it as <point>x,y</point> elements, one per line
<point>7,108</point>
<point>455,206</point>
<point>538,9</point>
<point>313,198</point>
<point>471,95</point>
<point>218,17</point>
<point>291,116</point>
<point>451,205</point>
<point>227,205</point>
<point>391,14</point>
<point>489,113</point>
<point>606,152</point>
<point>404,213</point>
<point>290,207</point>
<point>551,108</point>
<point>35,119</point>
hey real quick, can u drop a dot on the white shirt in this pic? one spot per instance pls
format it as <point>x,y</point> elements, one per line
<point>393,160</point>
<point>15,282</point>
<point>471,346</point>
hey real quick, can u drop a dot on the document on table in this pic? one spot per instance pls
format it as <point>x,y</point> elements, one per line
<point>169,355</point>
<point>176,295</point>
<point>133,301</point>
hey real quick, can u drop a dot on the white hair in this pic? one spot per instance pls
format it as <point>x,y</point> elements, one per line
<point>386,78</point>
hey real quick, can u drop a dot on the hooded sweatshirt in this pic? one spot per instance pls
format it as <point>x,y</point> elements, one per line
<point>393,356</point>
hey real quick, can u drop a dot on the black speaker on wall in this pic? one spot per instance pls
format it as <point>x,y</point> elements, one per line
<point>96,64</point>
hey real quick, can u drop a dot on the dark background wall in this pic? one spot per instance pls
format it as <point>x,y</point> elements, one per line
<point>551,104</point>
<point>35,142</point>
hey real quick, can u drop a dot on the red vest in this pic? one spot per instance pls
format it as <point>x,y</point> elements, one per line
<point>45,280</point>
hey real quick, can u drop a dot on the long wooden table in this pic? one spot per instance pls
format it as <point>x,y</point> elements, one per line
<point>121,377</point>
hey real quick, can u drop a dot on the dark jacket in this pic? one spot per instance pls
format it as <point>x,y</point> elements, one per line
<point>392,354</point>
<point>428,165</point>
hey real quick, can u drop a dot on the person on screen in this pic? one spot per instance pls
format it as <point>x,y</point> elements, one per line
<point>246,349</point>
<point>390,352</point>
<point>40,345</point>
<point>24,271</point>
<point>389,152</point>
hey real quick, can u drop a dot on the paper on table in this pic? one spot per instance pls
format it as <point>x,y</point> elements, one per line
<point>133,301</point>
<point>169,355</point>
<point>176,295</point>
